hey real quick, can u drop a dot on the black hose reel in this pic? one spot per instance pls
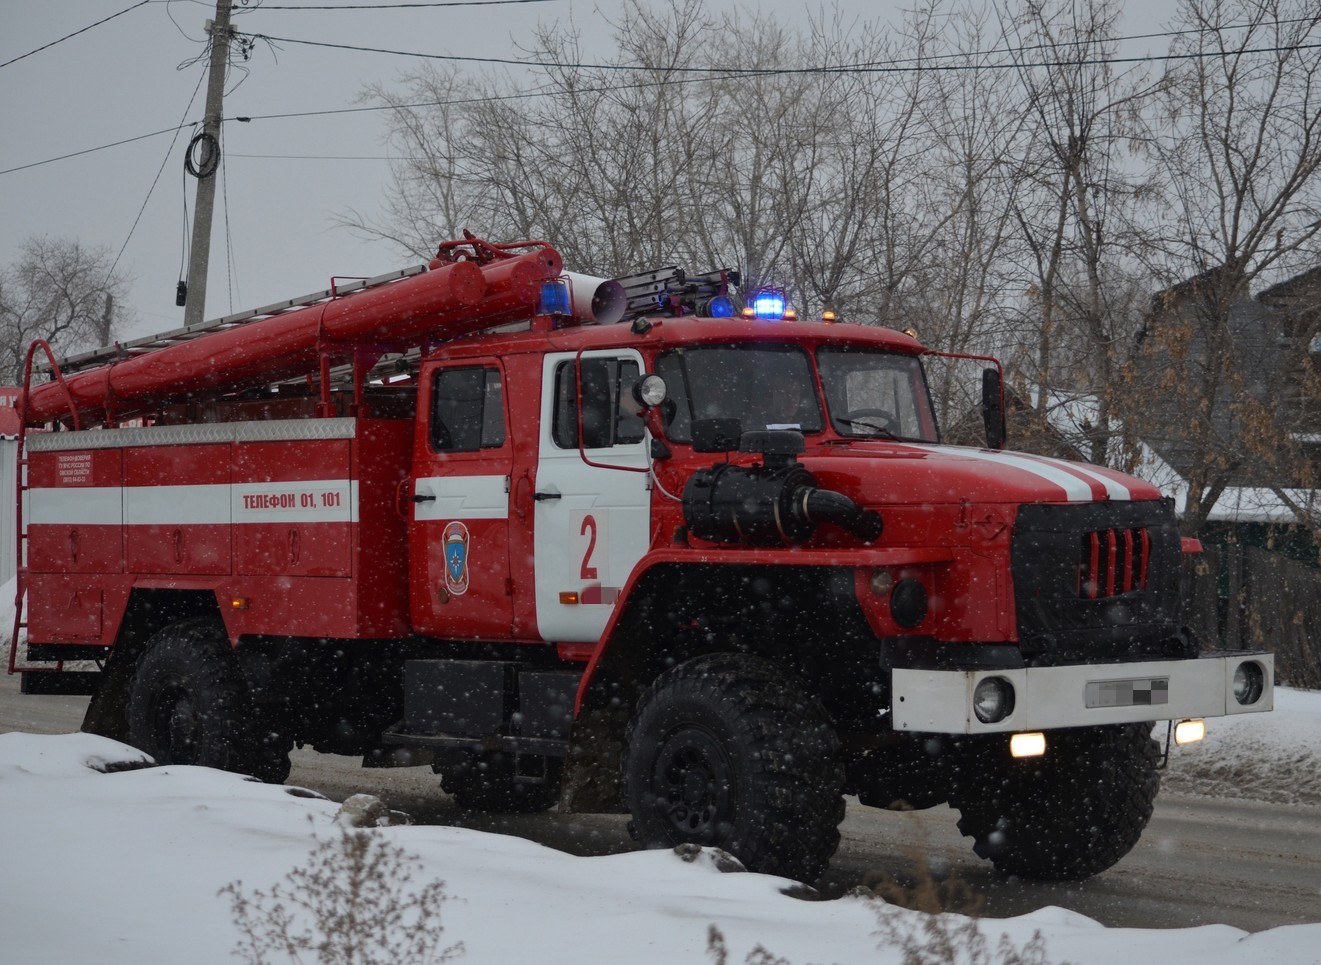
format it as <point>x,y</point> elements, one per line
<point>203,155</point>
<point>776,503</point>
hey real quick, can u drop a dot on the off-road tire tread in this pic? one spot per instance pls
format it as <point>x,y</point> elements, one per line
<point>195,653</point>
<point>791,826</point>
<point>1068,815</point>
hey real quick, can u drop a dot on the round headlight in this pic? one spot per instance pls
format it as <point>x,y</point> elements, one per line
<point>993,699</point>
<point>1249,682</point>
<point>651,390</point>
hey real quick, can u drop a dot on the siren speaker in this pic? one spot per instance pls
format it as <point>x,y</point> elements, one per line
<point>599,300</point>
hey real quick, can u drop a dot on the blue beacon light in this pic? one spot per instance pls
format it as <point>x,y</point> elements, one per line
<point>768,304</point>
<point>720,307</point>
<point>554,299</point>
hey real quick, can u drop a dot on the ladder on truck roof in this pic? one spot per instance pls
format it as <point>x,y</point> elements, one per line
<point>646,292</point>
<point>672,291</point>
<point>150,343</point>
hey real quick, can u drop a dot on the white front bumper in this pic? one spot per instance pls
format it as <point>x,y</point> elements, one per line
<point>940,701</point>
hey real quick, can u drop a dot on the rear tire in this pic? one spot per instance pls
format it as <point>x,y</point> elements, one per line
<point>726,751</point>
<point>1068,815</point>
<point>188,704</point>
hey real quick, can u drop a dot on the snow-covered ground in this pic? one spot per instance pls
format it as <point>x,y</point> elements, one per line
<point>110,865</point>
<point>1272,757</point>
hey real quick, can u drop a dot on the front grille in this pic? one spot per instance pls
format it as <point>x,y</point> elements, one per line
<point>1096,580</point>
<point>1113,561</point>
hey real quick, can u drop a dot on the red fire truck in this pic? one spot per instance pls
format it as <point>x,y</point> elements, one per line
<point>607,545</point>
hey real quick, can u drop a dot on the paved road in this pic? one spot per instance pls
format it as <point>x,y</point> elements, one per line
<point>1201,860</point>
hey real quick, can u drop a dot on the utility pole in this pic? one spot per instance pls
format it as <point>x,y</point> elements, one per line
<point>208,144</point>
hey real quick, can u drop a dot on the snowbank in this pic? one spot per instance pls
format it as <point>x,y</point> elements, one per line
<point>107,863</point>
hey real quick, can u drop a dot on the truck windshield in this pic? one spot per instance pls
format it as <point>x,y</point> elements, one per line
<point>761,386</point>
<point>871,393</point>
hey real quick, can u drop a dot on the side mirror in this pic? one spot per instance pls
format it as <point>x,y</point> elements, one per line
<point>993,408</point>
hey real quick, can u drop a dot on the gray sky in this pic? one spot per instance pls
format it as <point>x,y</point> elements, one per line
<point>285,179</point>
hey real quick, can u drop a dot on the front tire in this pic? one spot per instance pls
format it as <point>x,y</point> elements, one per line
<point>1068,815</point>
<point>728,752</point>
<point>189,705</point>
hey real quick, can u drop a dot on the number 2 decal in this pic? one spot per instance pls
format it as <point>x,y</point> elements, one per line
<point>587,571</point>
<point>589,545</point>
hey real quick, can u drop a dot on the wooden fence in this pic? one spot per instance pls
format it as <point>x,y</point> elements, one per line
<point>1239,597</point>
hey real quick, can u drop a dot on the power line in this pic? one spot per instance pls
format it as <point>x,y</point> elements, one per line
<point>641,85</point>
<point>74,34</point>
<point>456,102</point>
<point>892,66</point>
<point>356,6</point>
<point>151,190</point>
<point>895,67</point>
<point>229,236</point>
<point>543,63</point>
<point>1097,42</point>
<point>92,150</point>
<point>259,117</point>
<point>322,157</point>
<point>398,6</point>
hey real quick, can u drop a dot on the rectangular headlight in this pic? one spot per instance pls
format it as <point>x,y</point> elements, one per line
<point>1189,731</point>
<point>1028,745</point>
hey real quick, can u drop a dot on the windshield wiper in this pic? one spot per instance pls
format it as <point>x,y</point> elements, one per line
<point>880,432</point>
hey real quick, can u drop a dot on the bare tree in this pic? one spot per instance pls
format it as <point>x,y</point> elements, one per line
<point>1242,155</point>
<point>424,201</point>
<point>977,123</point>
<point>60,291</point>
<point>876,216</point>
<point>767,158</point>
<point>611,164</point>
<point>789,160</point>
<point>1076,187</point>
<point>959,186</point>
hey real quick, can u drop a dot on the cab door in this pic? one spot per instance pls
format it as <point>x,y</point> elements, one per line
<point>458,542</point>
<point>592,503</point>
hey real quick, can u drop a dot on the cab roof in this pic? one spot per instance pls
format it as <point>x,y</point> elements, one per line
<point>667,333</point>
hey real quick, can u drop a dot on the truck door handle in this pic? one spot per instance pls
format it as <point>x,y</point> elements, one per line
<point>541,496</point>
<point>419,498</point>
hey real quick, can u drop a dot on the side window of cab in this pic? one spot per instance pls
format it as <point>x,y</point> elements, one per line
<point>467,409</point>
<point>610,415</point>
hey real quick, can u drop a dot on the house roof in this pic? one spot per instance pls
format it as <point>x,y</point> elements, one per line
<point>1305,283</point>
<point>1071,415</point>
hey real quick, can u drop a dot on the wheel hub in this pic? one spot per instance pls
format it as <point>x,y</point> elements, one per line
<point>693,784</point>
<point>177,726</point>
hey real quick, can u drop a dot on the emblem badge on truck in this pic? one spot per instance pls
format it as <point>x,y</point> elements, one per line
<point>456,558</point>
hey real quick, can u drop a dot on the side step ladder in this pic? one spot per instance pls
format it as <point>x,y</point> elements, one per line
<point>21,577</point>
<point>50,677</point>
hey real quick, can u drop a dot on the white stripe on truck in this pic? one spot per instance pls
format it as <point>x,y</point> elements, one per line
<point>298,501</point>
